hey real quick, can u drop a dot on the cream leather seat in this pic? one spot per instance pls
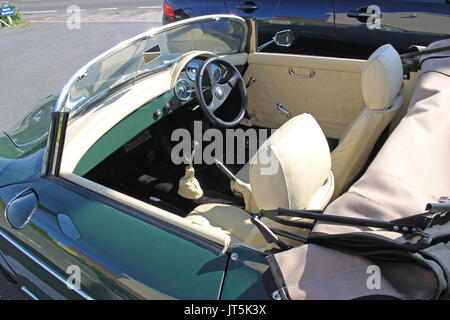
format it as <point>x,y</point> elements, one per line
<point>381,83</point>
<point>292,169</point>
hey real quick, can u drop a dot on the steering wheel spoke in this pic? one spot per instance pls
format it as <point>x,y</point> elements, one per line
<point>213,83</point>
<point>215,104</point>
<point>233,80</point>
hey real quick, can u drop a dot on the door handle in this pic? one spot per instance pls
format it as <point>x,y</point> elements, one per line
<point>361,14</point>
<point>21,208</point>
<point>247,6</point>
<point>312,73</point>
<point>358,14</point>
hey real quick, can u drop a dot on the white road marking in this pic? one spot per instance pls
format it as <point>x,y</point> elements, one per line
<point>31,12</point>
<point>154,7</point>
<point>82,10</point>
<point>114,21</point>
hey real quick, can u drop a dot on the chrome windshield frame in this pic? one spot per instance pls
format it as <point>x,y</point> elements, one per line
<point>62,97</point>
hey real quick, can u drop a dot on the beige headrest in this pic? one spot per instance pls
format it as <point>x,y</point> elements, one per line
<point>382,78</point>
<point>291,165</point>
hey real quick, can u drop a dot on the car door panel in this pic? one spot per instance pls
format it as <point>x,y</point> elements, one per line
<point>18,249</point>
<point>402,23</point>
<point>246,275</point>
<point>310,21</point>
<point>332,95</point>
<point>118,255</point>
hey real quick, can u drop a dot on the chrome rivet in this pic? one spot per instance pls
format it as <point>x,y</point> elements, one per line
<point>234,256</point>
<point>157,114</point>
<point>405,229</point>
<point>396,228</point>
<point>276,295</point>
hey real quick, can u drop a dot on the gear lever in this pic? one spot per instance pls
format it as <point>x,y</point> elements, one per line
<point>189,187</point>
<point>239,188</point>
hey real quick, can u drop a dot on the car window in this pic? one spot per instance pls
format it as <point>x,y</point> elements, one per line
<point>310,21</point>
<point>361,26</point>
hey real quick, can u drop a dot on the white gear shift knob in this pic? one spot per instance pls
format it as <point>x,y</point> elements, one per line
<point>189,187</point>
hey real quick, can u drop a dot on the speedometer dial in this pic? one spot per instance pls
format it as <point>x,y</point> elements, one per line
<point>183,90</point>
<point>192,68</point>
<point>194,65</point>
<point>216,71</point>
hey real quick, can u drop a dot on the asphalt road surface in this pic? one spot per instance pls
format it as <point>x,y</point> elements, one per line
<point>61,5</point>
<point>38,58</point>
<point>9,290</point>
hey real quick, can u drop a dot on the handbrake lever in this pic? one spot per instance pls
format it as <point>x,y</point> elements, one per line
<point>268,234</point>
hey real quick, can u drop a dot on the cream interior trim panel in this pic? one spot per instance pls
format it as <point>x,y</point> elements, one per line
<point>333,96</point>
<point>238,59</point>
<point>315,62</point>
<point>215,235</point>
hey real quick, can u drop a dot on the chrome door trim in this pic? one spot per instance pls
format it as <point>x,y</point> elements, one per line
<point>45,267</point>
<point>312,73</point>
<point>28,293</point>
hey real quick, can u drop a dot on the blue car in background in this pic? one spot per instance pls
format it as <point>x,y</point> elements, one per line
<point>333,28</point>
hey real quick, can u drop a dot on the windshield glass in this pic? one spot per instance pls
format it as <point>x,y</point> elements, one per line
<point>151,52</point>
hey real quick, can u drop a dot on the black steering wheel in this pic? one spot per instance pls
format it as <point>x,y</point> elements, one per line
<point>220,92</point>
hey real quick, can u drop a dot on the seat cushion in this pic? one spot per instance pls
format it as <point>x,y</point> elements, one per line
<point>232,219</point>
<point>237,223</point>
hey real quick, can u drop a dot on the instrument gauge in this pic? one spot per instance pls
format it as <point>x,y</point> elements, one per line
<point>192,68</point>
<point>194,65</point>
<point>183,90</point>
<point>217,72</point>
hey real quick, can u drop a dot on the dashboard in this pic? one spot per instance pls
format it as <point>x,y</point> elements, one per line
<point>185,85</point>
<point>147,114</point>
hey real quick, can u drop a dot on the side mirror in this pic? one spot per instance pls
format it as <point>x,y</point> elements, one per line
<point>282,38</point>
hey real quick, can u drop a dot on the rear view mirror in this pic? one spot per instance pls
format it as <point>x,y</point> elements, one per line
<point>282,38</point>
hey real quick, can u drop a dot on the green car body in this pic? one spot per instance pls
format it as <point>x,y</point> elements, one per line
<point>120,253</point>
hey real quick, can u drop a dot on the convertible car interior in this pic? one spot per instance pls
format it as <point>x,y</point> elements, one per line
<point>325,120</point>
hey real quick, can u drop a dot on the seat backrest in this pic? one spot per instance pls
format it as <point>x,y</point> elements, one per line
<point>381,83</point>
<point>291,165</point>
<point>382,78</point>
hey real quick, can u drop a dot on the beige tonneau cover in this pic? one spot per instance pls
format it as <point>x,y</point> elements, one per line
<point>411,170</point>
